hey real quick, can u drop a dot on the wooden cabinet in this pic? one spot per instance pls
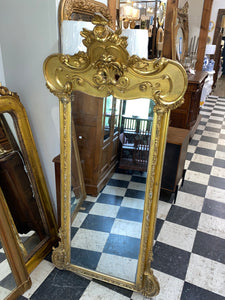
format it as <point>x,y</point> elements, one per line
<point>175,154</point>
<point>187,115</point>
<point>97,128</point>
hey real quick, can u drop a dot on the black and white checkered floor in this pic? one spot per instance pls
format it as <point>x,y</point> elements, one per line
<point>189,256</point>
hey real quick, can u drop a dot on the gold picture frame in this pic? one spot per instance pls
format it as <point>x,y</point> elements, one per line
<point>107,69</point>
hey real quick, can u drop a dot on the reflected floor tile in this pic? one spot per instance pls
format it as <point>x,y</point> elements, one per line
<point>130,214</point>
<point>133,203</point>
<point>80,217</point>
<point>85,258</point>
<point>209,246</point>
<point>212,225</point>
<point>197,177</point>
<point>214,193</point>
<point>135,194</point>
<point>98,223</point>
<point>177,236</point>
<point>38,276</point>
<point>206,273</point>
<point>118,191</point>
<point>163,209</point>
<point>189,201</point>
<point>120,267</point>
<point>106,210</point>
<point>137,186</point>
<point>138,179</point>
<point>118,183</point>
<point>121,176</point>
<point>91,198</point>
<point>127,228</point>
<point>89,240</point>
<point>202,159</point>
<point>207,145</point>
<point>110,199</point>
<point>122,246</point>
<point>191,291</point>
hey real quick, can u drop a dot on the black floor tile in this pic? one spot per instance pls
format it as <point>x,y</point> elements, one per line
<point>158,226</point>
<point>209,246</point>
<point>217,182</point>
<point>183,216</point>
<point>219,162</point>
<point>214,208</point>
<point>117,289</point>
<point>212,129</point>
<point>193,142</point>
<point>193,292</point>
<point>73,231</point>
<point>61,285</point>
<point>98,223</point>
<point>118,183</point>
<point>209,139</point>
<point>214,121</point>
<point>2,257</point>
<point>86,206</point>
<point>189,156</point>
<point>85,258</point>
<point>205,151</point>
<point>135,194</point>
<point>131,214</point>
<point>110,199</point>
<point>198,167</point>
<point>170,260</point>
<point>220,148</point>
<point>222,136</point>
<point>138,179</point>
<point>8,282</point>
<point>216,114</point>
<point>194,188</point>
<point>122,246</point>
<point>198,131</point>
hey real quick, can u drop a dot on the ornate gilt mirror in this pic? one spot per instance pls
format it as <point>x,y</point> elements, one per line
<point>22,182</point>
<point>106,71</point>
<point>14,278</point>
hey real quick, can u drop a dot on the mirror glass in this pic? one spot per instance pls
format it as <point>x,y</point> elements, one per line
<point>106,232</point>
<point>19,190</point>
<point>7,281</point>
<point>179,43</point>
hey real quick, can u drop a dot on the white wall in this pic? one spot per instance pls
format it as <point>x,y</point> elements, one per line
<point>28,34</point>
<point>217,4</point>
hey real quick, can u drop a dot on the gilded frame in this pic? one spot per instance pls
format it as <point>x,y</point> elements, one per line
<point>107,69</point>
<point>10,103</point>
<point>13,251</point>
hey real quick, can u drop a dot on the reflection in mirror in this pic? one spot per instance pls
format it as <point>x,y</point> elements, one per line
<point>106,233</point>
<point>179,43</point>
<point>18,190</point>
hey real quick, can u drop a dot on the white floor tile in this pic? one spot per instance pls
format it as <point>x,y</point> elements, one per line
<point>91,199</point>
<point>137,186</point>
<point>210,134</point>
<point>95,291</point>
<point>80,217</point>
<point>196,137</point>
<point>197,177</point>
<point>191,148</point>
<point>221,142</point>
<point>207,145</point>
<point>177,236</point>
<point>5,269</point>
<point>121,176</point>
<point>90,240</point>
<point>219,172</point>
<point>4,292</point>
<point>212,225</point>
<point>127,228</point>
<point>105,210</point>
<point>132,203</point>
<point>189,201</point>
<point>207,274</point>
<point>203,159</point>
<point>113,190</point>
<point>220,155</point>
<point>163,209</point>
<point>118,266</point>
<point>38,276</point>
<point>216,194</point>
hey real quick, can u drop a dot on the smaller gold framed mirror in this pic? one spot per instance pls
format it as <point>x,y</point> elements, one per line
<point>22,182</point>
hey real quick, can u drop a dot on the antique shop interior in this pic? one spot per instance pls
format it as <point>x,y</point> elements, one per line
<point>112,149</point>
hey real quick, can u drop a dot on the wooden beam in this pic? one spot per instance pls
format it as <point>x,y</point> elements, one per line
<point>206,13</point>
<point>168,34</point>
<point>112,11</point>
